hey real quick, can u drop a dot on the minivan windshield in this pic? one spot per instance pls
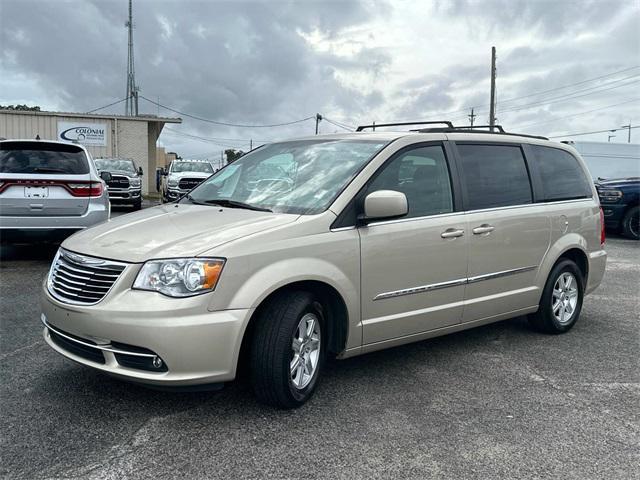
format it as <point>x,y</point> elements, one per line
<point>115,164</point>
<point>301,177</point>
<point>200,167</point>
<point>44,158</point>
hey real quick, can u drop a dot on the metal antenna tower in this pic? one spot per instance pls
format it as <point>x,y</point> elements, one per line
<point>131,105</point>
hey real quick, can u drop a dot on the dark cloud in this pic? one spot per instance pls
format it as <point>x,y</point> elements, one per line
<point>253,61</point>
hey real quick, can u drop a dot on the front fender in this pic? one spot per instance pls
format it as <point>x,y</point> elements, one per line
<point>272,277</point>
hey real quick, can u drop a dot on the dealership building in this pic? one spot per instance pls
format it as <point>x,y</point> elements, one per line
<point>102,135</point>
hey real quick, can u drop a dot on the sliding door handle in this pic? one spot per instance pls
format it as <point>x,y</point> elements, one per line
<point>452,233</point>
<point>484,228</point>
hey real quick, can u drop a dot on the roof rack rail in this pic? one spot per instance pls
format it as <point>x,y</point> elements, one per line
<point>404,124</point>
<point>471,127</point>
<point>497,130</point>
<point>450,128</point>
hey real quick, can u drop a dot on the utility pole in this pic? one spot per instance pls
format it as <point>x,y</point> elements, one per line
<point>131,105</point>
<point>318,119</point>
<point>374,125</point>
<point>472,116</point>
<point>629,133</point>
<point>250,144</point>
<point>492,108</point>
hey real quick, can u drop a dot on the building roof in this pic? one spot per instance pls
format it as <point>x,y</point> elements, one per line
<point>140,118</point>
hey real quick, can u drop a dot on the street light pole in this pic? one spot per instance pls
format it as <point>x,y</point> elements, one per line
<point>628,127</point>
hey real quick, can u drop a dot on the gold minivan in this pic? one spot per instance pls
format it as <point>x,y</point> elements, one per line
<point>330,246</point>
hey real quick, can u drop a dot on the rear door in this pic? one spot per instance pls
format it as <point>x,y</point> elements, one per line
<point>508,234</point>
<point>43,179</point>
<point>414,268</point>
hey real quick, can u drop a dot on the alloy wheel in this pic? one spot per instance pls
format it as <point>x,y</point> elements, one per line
<point>564,298</point>
<point>306,351</point>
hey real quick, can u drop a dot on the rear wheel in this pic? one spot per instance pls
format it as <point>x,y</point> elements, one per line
<point>287,351</point>
<point>631,223</point>
<point>561,300</point>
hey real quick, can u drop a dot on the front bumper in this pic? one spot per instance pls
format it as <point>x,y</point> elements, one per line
<point>124,195</point>
<point>175,193</point>
<point>613,214</point>
<point>196,347</point>
<point>98,211</point>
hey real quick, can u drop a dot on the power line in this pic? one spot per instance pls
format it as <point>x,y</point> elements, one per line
<point>589,133</point>
<point>577,114</point>
<point>571,96</point>
<point>215,122</point>
<point>106,106</point>
<point>571,85</point>
<point>337,124</point>
<point>245,140</point>
<point>204,139</point>
<point>465,109</point>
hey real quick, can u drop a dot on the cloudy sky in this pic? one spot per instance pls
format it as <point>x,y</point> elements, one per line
<point>563,66</point>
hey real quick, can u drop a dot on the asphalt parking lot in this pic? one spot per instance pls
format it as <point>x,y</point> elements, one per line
<point>498,401</point>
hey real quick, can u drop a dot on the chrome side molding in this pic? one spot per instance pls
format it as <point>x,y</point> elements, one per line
<point>452,283</point>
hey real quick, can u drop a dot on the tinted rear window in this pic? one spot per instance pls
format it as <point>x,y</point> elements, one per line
<point>561,174</point>
<point>45,158</point>
<point>494,176</point>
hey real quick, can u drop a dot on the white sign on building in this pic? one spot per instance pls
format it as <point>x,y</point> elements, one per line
<point>84,133</point>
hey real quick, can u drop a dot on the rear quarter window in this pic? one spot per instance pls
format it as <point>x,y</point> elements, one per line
<point>494,176</point>
<point>561,175</point>
<point>44,158</point>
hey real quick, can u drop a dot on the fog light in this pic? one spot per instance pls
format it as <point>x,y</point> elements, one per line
<point>157,362</point>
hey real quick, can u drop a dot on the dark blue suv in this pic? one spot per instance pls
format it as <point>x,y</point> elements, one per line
<point>620,201</point>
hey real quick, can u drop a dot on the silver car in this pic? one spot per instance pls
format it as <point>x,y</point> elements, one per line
<point>46,185</point>
<point>367,241</point>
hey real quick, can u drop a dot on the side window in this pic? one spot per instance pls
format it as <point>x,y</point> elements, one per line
<point>494,176</point>
<point>422,175</point>
<point>561,174</point>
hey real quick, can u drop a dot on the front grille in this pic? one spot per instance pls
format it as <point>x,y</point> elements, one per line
<point>77,348</point>
<point>80,279</point>
<point>118,181</point>
<point>189,183</point>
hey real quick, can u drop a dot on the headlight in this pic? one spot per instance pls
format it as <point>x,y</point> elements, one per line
<point>134,182</point>
<point>173,182</point>
<point>180,277</point>
<point>609,195</point>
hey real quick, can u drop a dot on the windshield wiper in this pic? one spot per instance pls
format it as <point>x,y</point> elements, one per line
<point>223,202</point>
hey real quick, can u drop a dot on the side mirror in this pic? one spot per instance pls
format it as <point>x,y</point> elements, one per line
<point>385,204</point>
<point>140,171</point>
<point>106,176</point>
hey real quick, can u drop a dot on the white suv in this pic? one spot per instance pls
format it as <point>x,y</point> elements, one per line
<point>49,186</point>
<point>366,241</point>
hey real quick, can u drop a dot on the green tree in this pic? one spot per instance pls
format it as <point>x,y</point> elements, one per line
<point>233,154</point>
<point>24,108</point>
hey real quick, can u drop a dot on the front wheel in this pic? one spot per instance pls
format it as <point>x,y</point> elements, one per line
<point>631,223</point>
<point>561,300</point>
<point>287,351</point>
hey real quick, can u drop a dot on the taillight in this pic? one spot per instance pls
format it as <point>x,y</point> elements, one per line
<point>89,189</point>
<point>602,235</point>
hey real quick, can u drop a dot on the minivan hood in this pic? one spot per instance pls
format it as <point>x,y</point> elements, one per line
<point>171,230</point>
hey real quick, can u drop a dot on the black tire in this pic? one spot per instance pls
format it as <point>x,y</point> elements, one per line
<point>272,353</point>
<point>631,223</point>
<point>137,205</point>
<point>544,320</point>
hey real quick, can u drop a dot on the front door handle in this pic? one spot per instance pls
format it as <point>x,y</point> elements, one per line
<point>452,233</point>
<point>484,228</point>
